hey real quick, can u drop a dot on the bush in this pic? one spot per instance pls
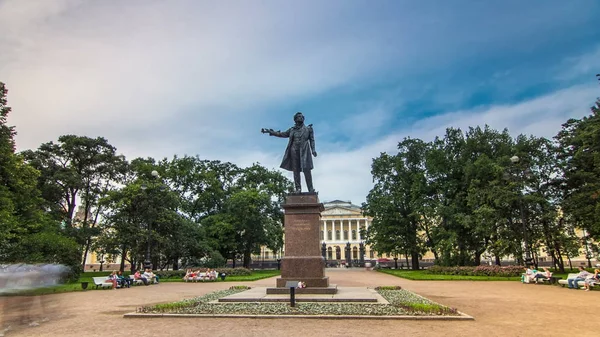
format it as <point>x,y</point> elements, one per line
<point>239,288</point>
<point>167,274</point>
<point>235,271</point>
<point>214,260</point>
<point>500,271</point>
<point>173,274</point>
<point>388,288</point>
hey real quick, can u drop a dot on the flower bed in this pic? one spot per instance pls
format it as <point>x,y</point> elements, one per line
<point>401,302</point>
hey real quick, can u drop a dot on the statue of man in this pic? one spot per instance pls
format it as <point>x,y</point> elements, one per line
<point>299,151</point>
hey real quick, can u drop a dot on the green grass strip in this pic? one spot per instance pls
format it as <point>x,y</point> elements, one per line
<point>423,275</point>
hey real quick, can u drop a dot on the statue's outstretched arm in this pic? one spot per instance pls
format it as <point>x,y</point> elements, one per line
<point>271,132</point>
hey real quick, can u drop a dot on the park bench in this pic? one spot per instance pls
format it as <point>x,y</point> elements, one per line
<point>543,280</point>
<point>102,282</point>
<point>200,277</point>
<point>580,284</point>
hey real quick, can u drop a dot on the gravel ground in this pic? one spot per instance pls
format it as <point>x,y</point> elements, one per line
<point>500,309</point>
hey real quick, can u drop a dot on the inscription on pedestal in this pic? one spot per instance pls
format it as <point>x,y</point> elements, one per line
<point>301,225</point>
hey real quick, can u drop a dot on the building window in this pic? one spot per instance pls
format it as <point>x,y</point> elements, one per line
<point>371,254</point>
<point>266,255</point>
<point>329,253</point>
<point>329,237</point>
<point>355,253</point>
<point>345,235</point>
<point>338,253</point>
<point>337,235</point>
<point>354,234</point>
<point>322,235</point>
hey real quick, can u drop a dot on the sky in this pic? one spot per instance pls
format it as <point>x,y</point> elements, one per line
<point>184,77</point>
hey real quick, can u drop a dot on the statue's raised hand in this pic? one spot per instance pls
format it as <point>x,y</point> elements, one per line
<point>314,153</point>
<point>269,131</point>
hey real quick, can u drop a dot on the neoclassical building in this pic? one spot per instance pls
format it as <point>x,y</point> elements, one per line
<point>341,224</point>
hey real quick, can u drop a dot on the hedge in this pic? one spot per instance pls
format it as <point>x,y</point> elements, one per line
<point>505,271</point>
<point>171,274</point>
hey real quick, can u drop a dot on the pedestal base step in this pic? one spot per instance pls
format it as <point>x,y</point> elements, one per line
<point>343,295</point>
<point>310,290</point>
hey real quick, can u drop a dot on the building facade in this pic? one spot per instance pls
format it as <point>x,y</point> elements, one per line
<point>341,225</point>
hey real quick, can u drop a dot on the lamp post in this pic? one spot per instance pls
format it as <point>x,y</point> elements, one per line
<point>515,160</point>
<point>148,261</point>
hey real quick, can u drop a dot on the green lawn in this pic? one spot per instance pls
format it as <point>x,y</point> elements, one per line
<point>423,275</point>
<point>87,277</point>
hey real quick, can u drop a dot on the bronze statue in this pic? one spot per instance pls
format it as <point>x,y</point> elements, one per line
<point>301,146</point>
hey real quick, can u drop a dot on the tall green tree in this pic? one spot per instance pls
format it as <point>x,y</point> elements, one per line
<point>77,170</point>
<point>397,201</point>
<point>235,231</point>
<point>27,234</point>
<point>579,144</point>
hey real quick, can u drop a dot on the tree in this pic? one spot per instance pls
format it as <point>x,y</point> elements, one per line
<point>579,145</point>
<point>233,230</point>
<point>77,169</point>
<point>251,215</point>
<point>27,234</point>
<point>396,202</point>
<point>203,185</point>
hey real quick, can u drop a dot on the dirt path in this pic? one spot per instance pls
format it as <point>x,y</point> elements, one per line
<point>499,308</point>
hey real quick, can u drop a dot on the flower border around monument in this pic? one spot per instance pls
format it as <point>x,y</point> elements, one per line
<point>401,303</point>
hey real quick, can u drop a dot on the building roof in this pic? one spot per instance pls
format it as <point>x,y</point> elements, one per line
<point>340,203</point>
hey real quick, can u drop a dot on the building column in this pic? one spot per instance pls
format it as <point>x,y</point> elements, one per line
<point>324,230</point>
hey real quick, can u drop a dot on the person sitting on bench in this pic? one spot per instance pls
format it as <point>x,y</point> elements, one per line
<point>573,282</point>
<point>546,274</point>
<point>592,280</point>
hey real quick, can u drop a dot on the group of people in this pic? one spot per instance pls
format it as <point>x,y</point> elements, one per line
<point>193,275</point>
<point>533,275</point>
<point>120,281</point>
<point>588,278</point>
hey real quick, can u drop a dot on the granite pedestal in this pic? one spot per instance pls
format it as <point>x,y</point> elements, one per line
<point>303,260</point>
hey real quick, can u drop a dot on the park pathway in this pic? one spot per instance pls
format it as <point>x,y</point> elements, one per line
<point>500,309</point>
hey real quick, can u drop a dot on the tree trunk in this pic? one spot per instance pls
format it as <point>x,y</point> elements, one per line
<point>415,260</point>
<point>85,253</point>
<point>247,260</point>
<point>498,261</point>
<point>559,258</point>
<point>123,256</point>
<point>176,263</point>
<point>477,258</point>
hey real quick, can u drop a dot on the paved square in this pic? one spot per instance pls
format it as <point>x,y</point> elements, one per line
<point>500,309</point>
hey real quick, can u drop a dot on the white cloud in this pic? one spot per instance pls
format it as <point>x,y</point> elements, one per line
<point>587,65</point>
<point>346,175</point>
<point>189,77</point>
<point>142,66</point>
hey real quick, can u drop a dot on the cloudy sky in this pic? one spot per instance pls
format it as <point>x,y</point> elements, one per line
<point>159,78</point>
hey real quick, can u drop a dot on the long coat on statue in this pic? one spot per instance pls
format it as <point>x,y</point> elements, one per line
<point>305,137</point>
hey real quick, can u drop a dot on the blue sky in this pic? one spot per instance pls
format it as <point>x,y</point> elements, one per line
<point>181,77</point>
